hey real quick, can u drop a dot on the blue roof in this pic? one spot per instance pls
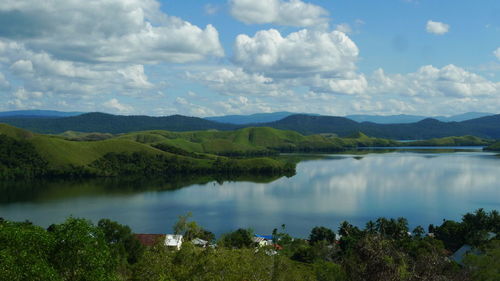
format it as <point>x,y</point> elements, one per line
<point>267,237</point>
<point>459,255</point>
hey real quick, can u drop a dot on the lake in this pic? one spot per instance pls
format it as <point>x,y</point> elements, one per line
<point>425,186</point>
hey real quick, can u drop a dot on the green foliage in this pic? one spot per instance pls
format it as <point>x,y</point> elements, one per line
<point>321,233</point>
<point>124,246</point>
<point>395,228</point>
<point>19,159</point>
<point>191,230</point>
<point>123,164</point>
<point>25,250</point>
<point>78,250</point>
<point>81,252</point>
<point>473,229</point>
<point>240,238</point>
<point>191,263</point>
<point>485,267</point>
<point>328,271</point>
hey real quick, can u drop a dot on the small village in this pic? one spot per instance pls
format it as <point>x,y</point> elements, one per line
<point>175,242</point>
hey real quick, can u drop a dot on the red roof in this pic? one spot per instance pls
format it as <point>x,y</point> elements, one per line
<point>150,239</point>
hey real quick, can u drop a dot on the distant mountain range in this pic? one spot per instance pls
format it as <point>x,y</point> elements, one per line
<point>405,119</point>
<point>272,117</point>
<point>38,113</point>
<point>108,123</point>
<point>380,119</point>
<point>253,118</point>
<point>485,127</point>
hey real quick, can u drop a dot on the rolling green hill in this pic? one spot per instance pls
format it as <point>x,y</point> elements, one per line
<point>131,154</point>
<point>158,152</point>
<point>252,141</point>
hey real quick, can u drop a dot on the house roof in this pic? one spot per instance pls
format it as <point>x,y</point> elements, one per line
<point>459,255</point>
<point>200,242</point>
<point>266,237</point>
<point>150,239</point>
<point>258,239</point>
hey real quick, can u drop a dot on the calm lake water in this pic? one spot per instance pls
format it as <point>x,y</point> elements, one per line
<point>424,186</point>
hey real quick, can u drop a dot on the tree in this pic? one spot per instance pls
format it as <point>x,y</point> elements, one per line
<point>24,252</point>
<point>321,233</point>
<point>485,266</point>
<point>370,227</point>
<point>80,251</point>
<point>418,232</point>
<point>329,271</point>
<point>451,233</point>
<point>190,229</point>
<point>241,238</point>
<point>347,229</point>
<point>121,240</point>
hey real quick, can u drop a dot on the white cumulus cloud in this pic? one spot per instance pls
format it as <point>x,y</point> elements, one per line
<point>299,53</point>
<point>235,81</point>
<point>436,27</point>
<point>40,71</point>
<point>107,31</point>
<point>115,105</point>
<point>430,81</point>
<point>281,12</point>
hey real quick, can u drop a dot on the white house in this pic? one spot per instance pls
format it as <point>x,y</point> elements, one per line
<point>172,240</point>
<point>262,240</point>
<point>199,242</point>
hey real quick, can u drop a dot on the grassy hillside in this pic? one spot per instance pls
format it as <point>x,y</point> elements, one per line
<point>252,141</point>
<point>128,155</point>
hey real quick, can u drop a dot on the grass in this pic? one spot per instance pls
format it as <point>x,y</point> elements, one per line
<point>243,140</point>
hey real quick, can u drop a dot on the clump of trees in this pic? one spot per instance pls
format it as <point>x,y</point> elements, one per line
<point>19,159</point>
<point>73,250</point>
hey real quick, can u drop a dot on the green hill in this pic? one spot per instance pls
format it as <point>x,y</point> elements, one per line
<point>131,154</point>
<point>452,141</point>
<point>493,147</point>
<point>251,141</point>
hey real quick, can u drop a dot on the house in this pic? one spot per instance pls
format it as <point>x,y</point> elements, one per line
<point>460,254</point>
<point>263,240</point>
<point>199,242</point>
<point>173,240</point>
<point>169,240</point>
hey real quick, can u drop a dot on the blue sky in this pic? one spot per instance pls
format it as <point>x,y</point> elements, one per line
<point>205,58</point>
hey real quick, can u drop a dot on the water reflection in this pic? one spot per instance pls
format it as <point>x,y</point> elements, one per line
<point>422,186</point>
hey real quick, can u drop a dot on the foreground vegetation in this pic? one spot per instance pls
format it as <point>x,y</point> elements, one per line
<point>383,250</point>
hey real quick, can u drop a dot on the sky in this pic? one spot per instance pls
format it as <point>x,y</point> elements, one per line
<point>217,57</point>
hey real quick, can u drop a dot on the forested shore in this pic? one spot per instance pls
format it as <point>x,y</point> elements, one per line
<point>385,249</point>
